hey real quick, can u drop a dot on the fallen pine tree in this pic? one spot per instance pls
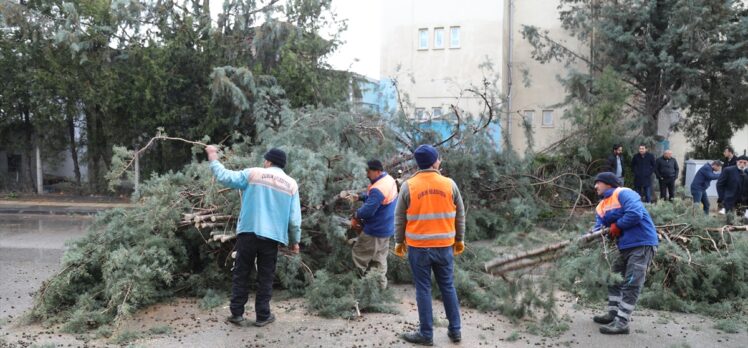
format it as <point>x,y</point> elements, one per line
<point>548,253</point>
<point>178,239</point>
<point>701,265</point>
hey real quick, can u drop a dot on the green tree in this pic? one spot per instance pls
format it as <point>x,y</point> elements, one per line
<point>672,53</point>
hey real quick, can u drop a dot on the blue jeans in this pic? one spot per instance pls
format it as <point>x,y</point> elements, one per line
<point>441,261</point>
<point>700,196</point>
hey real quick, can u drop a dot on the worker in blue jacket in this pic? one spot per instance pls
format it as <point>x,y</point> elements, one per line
<point>632,228</point>
<point>701,182</point>
<point>270,216</point>
<point>377,215</point>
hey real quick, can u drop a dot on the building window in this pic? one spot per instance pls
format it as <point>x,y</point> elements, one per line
<point>529,116</point>
<point>438,37</point>
<point>436,113</point>
<point>454,37</point>
<point>420,114</point>
<point>423,39</point>
<point>547,118</point>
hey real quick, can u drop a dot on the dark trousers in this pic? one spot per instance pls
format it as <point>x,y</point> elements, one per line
<point>667,189</point>
<point>251,249</point>
<point>645,192</point>
<point>632,265</point>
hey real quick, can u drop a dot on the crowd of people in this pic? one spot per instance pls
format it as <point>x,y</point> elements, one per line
<point>729,172</point>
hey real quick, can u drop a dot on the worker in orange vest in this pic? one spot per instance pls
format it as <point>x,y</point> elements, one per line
<point>377,216</point>
<point>430,220</point>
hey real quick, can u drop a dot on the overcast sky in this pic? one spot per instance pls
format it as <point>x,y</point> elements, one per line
<point>362,39</point>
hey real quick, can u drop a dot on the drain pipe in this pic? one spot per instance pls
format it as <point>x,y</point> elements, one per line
<point>510,22</point>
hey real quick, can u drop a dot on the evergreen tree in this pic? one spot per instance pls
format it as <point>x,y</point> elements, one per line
<point>672,53</point>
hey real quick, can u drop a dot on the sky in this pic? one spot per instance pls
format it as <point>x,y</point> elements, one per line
<point>360,51</point>
<point>362,39</point>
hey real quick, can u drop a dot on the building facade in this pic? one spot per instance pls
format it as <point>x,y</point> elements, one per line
<point>438,50</point>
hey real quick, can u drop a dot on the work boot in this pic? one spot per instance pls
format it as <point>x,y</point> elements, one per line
<point>606,318</point>
<point>261,323</point>
<point>237,320</point>
<point>617,327</point>
<point>455,337</point>
<point>417,338</point>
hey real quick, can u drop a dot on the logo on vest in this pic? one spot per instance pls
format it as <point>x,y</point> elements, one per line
<point>432,192</point>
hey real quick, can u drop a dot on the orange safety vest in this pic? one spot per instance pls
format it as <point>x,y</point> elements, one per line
<point>431,213</point>
<point>609,203</point>
<point>387,186</point>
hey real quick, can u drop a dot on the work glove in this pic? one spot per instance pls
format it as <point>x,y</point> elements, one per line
<point>615,232</point>
<point>356,225</point>
<point>400,249</point>
<point>459,247</point>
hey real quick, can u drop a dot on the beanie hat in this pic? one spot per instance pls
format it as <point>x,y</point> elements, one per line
<point>743,158</point>
<point>374,165</point>
<point>426,156</point>
<point>277,157</point>
<point>608,178</point>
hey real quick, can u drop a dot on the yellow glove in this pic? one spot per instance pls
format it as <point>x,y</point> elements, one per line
<point>400,249</point>
<point>459,247</point>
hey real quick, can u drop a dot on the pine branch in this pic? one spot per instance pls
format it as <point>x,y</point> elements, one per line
<point>150,143</point>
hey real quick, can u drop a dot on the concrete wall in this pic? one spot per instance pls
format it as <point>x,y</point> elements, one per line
<point>544,90</point>
<point>436,77</point>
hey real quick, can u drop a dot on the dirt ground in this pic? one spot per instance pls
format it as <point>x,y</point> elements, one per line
<point>184,324</point>
<point>31,245</point>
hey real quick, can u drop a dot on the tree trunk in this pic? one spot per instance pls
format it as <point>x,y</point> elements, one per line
<point>93,150</point>
<point>74,150</point>
<point>29,135</point>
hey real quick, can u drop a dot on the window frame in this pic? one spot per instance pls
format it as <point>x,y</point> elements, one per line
<point>459,37</point>
<point>531,114</point>
<point>542,121</point>
<point>426,47</point>
<point>441,29</point>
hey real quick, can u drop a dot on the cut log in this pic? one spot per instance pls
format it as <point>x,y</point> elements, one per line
<point>503,263</point>
<point>728,229</point>
<point>227,237</point>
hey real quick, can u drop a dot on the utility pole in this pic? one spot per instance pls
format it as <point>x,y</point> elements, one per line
<point>39,181</point>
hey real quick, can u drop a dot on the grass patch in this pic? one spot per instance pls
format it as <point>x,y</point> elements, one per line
<point>104,331</point>
<point>212,299</point>
<point>513,337</point>
<point>160,330</point>
<point>681,345</point>
<point>126,337</point>
<point>727,325</point>
<point>549,327</point>
<point>44,345</point>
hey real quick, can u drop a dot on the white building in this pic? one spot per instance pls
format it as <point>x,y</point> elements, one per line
<point>436,48</point>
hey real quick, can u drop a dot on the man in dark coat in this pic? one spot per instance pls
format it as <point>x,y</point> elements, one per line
<point>732,187</point>
<point>643,166</point>
<point>666,171</point>
<point>730,158</point>
<point>615,162</point>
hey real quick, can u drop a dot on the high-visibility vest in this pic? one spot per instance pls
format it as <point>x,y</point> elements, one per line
<point>431,212</point>
<point>387,186</point>
<point>608,204</point>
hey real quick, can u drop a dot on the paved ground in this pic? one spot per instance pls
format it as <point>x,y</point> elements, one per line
<point>59,205</point>
<point>30,246</point>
